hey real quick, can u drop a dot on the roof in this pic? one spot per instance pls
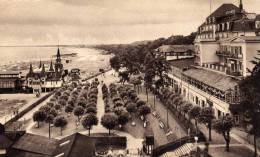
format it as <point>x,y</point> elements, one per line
<point>250,38</point>
<point>5,142</point>
<point>20,153</point>
<point>36,144</point>
<point>9,73</point>
<point>219,81</point>
<point>243,25</point>
<point>176,48</point>
<point>76,145</point>
<point>221,11</point>
<point>182,63</point>
<point>8,138</point>
<point>257,17</point>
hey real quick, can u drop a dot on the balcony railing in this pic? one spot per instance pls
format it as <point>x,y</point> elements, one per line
<point>229,54</point>
<point>222,69</point>
<point>215,67</point>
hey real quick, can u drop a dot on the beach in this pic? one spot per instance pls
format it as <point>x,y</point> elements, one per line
<point>89,61</point>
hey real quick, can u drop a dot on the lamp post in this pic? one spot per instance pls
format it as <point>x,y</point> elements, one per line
<point>196,138</point>
<point>154,95</point>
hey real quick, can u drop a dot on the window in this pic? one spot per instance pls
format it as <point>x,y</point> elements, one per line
<point>197,100</point>
<point>202,103</point>
<point>257,24</point>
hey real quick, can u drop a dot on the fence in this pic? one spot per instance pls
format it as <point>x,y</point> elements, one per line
<point>23,112</point>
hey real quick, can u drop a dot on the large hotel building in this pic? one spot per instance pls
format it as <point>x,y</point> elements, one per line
<point>225,45</point>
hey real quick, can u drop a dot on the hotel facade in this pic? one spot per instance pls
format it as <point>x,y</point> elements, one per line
<point>225,45</point>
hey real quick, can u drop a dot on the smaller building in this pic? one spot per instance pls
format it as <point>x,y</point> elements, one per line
<point>10,81</point>
<point>173,52</point>
<point>39,79</point>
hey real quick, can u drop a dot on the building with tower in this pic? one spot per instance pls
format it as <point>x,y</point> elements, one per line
<point>226,43</point>
<point>44,79</point>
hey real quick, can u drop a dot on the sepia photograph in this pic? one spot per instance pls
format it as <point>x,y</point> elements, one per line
<point>129,78</point>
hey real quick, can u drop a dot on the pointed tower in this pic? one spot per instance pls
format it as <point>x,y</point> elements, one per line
<point>51,67</point>
<point>58,59</point>
<point>40,65</point>
<point>31,69</point>
<point>43,69</point>
<point>58,64</point>
<point>241,6</point>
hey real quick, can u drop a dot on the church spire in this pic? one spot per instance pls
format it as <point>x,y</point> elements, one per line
<point>58,59</point>
<point>31,68</point>
<point>241,5</point>
<point>43,68</point>
<point>40,65</point>
<point>51,67</point>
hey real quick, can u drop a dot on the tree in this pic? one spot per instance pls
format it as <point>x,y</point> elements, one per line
<point>49,119</point>
<point>206,116</point>
<point>62,102</point>
<point>123,118</point>
<point>45,108</point>
<point>194,113</point>
<point>91,109</point>
<point>53,112</point>
<point>88,121</point>
<point>78,111</point>
<point>68,109</point>
<point>124,76</point>
<point>140,103</point>
<point>57,107</point>
<point>109,121</point>
<point>61,122</point>
<point>115,62</point>
<point>131,108</point>
<point>82,104</point>
<point>223,126</point>
<point>144,110</point>
<point>39,116</point>
<point>250,100</point>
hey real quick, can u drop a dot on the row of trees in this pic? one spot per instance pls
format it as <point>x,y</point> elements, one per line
<point>205,115</point>
<point>120,104</point>
<point>78,99</point>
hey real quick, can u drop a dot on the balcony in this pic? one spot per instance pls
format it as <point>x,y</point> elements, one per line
<point>221,69</point>
<point>229,54</point>
<point>234,73</point>
<point>215,66</point>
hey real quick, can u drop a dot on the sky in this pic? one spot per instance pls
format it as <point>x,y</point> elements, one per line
<point>102,21</point>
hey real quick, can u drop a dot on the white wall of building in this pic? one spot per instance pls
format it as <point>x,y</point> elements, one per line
<point>208,52</point>
<point>219,106</point>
